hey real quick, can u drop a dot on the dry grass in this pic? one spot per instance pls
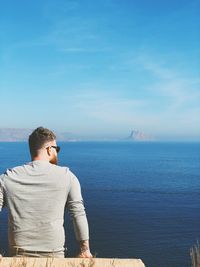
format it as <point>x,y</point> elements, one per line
<point>195,255</point>
<point>83,264</point>
<point>68,262</point>
<point>49,262</point>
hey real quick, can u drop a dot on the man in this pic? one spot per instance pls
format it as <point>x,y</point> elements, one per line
<point>36,195</point>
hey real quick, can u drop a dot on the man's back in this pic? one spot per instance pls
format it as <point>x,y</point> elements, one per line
<point>36,195</point>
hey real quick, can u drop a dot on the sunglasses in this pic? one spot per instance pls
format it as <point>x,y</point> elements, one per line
<point>57,148</point>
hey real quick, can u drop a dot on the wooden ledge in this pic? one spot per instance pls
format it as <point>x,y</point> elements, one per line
<point>68,262</point>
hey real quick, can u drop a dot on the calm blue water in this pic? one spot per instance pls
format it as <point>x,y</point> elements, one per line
<point>142,199</point>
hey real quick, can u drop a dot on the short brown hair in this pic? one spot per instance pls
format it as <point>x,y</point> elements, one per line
<point>38,138</point>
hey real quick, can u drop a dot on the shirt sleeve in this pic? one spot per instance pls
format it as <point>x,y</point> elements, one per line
<point>1,193</point>
<point>76,209</point>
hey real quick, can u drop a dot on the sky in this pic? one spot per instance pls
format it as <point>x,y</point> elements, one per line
<point>99,69</point>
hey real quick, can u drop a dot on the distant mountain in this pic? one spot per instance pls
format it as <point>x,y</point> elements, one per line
<point>66,137</point>
<point>21,135</point>
<point>14,135</point>
<point>138,136</point>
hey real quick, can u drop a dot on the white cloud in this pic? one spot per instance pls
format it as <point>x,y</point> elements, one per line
<point>177,96</point>
<point>180,95</point>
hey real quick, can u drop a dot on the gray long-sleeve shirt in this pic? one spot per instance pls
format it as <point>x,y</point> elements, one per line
<point>36,195</point>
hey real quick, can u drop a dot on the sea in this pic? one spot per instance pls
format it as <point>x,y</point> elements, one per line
<point>142,198</point>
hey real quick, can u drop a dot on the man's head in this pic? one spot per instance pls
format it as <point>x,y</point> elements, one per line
<point>42,145</point>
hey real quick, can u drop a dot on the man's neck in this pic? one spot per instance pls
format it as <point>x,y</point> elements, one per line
<point>40,158</point>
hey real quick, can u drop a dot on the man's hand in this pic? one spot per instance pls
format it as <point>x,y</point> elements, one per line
<point>84,250</point>
<point>85,254</point>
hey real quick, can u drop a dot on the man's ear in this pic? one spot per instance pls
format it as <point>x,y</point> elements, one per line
<point>48,151</point>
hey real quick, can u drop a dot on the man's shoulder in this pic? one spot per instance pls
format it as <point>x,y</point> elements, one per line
<point>16,169</point>
<point>61,169</point>
<point>11,172</point>
<point>64,169</point>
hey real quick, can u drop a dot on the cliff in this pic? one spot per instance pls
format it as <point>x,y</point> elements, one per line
<point>138,136</point>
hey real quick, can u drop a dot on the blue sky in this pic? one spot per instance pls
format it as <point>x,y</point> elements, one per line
<point>101,68</point>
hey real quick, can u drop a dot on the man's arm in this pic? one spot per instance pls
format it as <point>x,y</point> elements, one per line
<point>77,211</point>
<point>1,198</point>
<point>1,194</point>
